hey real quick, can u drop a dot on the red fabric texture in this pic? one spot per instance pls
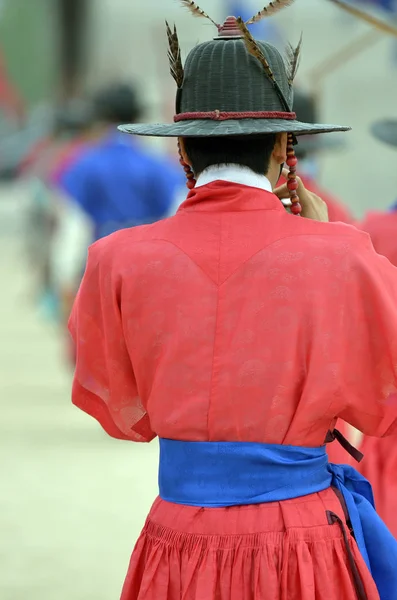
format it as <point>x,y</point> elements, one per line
<point>380,455</point>
<point>272,551</point>
<point>236,321</point>
<point>337,212</point>
<point>382,227</point>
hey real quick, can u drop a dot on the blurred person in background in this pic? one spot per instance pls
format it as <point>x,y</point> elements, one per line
<point>380,463</point>
<point>41,167</point>
<point>382,225</point>
<point>113,184</point>
<point>239,334</point>
<point>10,98</point>
<point>12,117</point>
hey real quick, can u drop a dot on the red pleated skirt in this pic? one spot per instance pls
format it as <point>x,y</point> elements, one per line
<point>277,551</point>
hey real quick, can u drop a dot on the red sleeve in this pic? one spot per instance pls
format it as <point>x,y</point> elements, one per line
<point>104,383</point>
<point>370,340</point>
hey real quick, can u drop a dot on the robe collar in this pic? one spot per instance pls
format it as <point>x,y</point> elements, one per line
<point>234,174</point>
<point>231,188</point>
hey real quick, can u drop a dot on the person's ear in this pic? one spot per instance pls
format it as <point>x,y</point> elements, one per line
<point>182,149</point>
<point>279,153</point>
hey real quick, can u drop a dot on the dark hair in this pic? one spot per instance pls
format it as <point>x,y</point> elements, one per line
<point>117,104</point>
<point>253,151</point>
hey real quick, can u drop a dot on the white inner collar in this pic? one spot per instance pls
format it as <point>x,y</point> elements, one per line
<point>234,174</point>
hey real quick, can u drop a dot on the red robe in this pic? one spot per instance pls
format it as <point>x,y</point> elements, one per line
<point>380,455</point>
<point>236,321</point>
<point>337,212</point>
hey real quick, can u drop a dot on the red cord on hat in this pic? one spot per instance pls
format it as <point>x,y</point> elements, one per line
<point>217,115</point>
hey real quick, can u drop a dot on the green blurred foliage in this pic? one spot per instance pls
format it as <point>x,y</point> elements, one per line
<point>28,38</point>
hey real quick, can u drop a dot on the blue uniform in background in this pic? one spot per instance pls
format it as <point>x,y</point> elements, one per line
<point>119,184</point>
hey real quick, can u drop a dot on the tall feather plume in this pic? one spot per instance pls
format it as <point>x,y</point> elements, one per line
<point>269,10</point>
<point>381,25</point>
<point>174,56</point>
<point>293,60</point>
<point>197,11</point>
<point>254,49</point>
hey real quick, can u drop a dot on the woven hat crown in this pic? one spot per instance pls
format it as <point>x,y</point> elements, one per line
<point>233,85</point>
<point>222,75</point>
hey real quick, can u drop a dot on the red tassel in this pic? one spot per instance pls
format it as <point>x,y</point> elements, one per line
<point>292,183</point>
<point>191,181</point>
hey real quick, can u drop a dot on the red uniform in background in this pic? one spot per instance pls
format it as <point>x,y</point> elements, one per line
<point>380,462</point>
<point>382,227</point>
<point>10,99</point>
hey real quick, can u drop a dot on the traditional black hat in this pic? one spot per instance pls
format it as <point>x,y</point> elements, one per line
<point>232,85</point>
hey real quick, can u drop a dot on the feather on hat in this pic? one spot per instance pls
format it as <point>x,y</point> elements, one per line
<point>232,85</point>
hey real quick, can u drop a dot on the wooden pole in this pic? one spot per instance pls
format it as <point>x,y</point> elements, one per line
<point>72,27</point>
<point>340,58</point>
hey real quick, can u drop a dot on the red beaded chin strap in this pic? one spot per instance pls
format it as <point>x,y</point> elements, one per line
<point>191,181</point>
<point>292,183</point>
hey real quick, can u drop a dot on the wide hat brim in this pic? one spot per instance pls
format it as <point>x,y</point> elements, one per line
<point>312,144</point>
<point>232,127</point>
<point>385,131</point>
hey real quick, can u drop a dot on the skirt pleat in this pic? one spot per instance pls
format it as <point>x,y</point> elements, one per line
<point>276,551</point>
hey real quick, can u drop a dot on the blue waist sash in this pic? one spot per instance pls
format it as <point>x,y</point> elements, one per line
<point>220,474</point>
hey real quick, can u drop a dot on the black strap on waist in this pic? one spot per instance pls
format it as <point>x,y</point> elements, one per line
<point>358,582</point>
<point>336,435</point>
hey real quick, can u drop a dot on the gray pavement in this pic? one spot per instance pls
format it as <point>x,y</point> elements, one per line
<point>72,500</point>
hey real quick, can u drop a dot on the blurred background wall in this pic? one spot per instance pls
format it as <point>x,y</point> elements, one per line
<point>56,48</point>
<point>28,38</point>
